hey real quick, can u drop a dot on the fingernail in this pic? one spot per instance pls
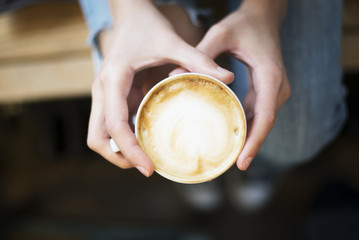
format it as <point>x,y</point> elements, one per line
<point>143,171</point>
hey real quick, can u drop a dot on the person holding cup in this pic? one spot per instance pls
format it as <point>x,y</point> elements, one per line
<point>289,49</point>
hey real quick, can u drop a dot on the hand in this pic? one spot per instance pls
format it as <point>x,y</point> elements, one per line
<point>251,35</point>
<point>141,38</point>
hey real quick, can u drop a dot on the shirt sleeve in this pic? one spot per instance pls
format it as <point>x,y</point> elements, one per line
<point>98,17</point>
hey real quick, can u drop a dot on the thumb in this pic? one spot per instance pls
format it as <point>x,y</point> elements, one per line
<point>212,43</point>
<point>177,71</point>
<point>194,60</point>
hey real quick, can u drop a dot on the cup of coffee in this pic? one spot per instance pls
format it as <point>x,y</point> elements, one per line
<point>192,127</point>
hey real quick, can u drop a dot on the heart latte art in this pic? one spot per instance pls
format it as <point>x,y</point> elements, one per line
<point>192,128</point>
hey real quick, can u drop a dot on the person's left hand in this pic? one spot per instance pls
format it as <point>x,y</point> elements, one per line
<point>252,38</point>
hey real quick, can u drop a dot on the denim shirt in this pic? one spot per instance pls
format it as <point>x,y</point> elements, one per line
<point>98,17</point>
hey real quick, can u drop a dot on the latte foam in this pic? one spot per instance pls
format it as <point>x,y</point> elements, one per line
<point>192,128</point>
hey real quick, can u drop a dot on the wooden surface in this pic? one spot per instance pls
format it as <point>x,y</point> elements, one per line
<point>46,79</point>
<point>350,38</point>
<point>43,54</point>
<point>43,51</point>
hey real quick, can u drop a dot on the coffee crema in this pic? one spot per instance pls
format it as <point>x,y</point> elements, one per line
<point>192,127</point>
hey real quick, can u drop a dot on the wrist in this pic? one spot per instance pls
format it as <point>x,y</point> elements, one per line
<point>271,11</point>
<point>123,13</point>
<point>121,9</point>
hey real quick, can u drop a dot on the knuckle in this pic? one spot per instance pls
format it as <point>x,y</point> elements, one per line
<point>273,69</point>
<point>275,72</point>
<point>104,75</point>
<point>109,73</point>
<point>121,162</point>
<point>276,76</point>
<point>204,59</point>
<point>125,165</point>
<point>218,31</point>
<point>92,143</point>
<point>132,153</point>
<point>267,117</point>
<point>270,118</point>
<point>130,156</point>
<point>111,126</point>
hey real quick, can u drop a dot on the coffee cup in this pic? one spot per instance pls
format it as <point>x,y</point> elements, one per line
<point>192,127</point>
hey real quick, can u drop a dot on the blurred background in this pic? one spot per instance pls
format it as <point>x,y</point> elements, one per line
<point>53,187</point>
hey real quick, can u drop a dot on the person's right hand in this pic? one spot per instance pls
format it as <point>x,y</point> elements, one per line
<point>141,38</point>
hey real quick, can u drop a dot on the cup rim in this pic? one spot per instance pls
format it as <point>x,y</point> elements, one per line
<point>223,167</point>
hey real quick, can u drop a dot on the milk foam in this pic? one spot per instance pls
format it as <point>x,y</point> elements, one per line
<point>193,132</point>
<point>190,130</point>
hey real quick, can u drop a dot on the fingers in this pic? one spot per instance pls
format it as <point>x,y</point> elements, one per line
<point>261,126</point>
<point>177,71</point>
<point>98,139</point>
<point>266,87</point>
<point>110,113</point>
<point>193,60</point>
<point>116,87</point>
<point>214,42</point>
<point>201,59</point>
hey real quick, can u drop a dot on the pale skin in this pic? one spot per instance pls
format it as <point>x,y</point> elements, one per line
<point>143,37</point>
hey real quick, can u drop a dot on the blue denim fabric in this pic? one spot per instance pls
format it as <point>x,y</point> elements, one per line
<point>310,41</point>
<point>98,17</point>
<point>316,110</point>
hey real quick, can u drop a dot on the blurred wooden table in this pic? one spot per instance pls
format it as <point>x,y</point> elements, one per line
<point>350,37</point>
<point>43,52</point>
